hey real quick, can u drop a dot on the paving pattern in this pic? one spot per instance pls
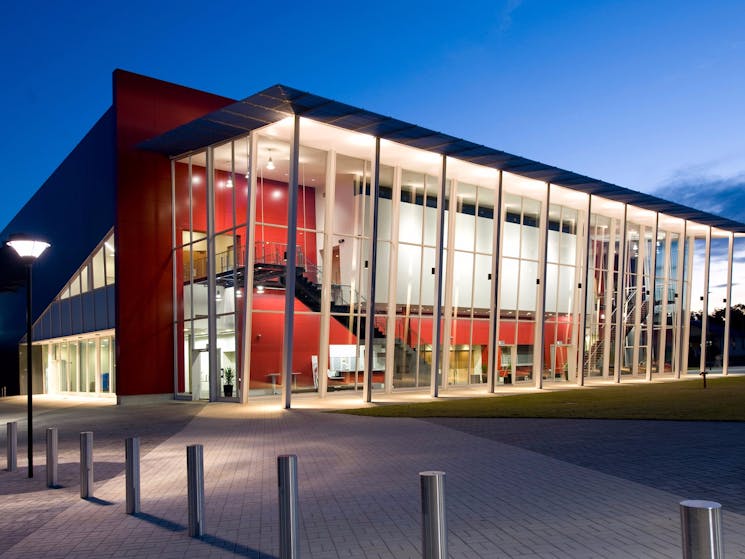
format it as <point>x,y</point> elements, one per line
<point>701,460</point>
<point>359,487</point>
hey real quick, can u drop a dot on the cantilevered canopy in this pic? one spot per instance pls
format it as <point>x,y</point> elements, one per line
<point>279,101</point>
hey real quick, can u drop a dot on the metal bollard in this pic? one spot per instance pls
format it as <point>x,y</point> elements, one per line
<point>11,443</point>
<point>701,529</point>
<point>132,474</point>
<point>52,454</point>
<point>86,464</point>
<point>289,520</point>
<point>195,488</point>
<point>434,523</point>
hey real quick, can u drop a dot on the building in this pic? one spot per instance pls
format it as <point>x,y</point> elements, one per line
<point>204,248</point>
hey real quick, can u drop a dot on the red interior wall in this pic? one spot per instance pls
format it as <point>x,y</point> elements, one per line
<point>266,339</point>
<point>271,209</point>
<point>461,333</point>
<point>144,108</point>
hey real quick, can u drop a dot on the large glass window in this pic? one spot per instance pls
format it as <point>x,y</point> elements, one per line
<point>99,273</point>
<point>84,365</point>
<point>697,253</point>
<point>271,169</point>
<point>406,302</point>
<point>604,307</point>
<point>470,217</point>
<point>110,260</point>
<point>737,304</point>
<point>717,299</point>
<point>523,200</point>
<point>190,210</point>
<point>347,266</point>
<point>565,261</point>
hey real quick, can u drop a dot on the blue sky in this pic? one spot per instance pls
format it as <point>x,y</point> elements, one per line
<point>646,94</point>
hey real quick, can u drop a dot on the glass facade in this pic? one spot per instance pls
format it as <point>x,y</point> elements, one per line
<point>321,255</point>
<point>209,219</point>
<point>474,277</point>
<point>74,337</point>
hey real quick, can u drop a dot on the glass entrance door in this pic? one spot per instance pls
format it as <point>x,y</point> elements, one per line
<point>557,369</point>
<point>200,378</point>
<point>506,370</point>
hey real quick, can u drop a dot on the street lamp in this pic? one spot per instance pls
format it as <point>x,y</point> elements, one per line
<point>29,250</point>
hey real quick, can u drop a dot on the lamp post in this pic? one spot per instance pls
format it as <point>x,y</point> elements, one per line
<point>29,250</point>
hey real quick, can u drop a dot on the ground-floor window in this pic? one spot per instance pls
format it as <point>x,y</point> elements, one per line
<point>85,364</point>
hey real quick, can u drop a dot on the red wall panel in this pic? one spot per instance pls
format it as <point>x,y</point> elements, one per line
<point>144,108</point>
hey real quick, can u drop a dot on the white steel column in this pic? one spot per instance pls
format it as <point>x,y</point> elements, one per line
<point>236,262</point>
<point>705,310</point>
<point>290,267</point>
<point>248,274</point>
<point>540,300</point>
<point>686,341</point>
<point>610,285</point>
<point>640,259</point>
<point>447,315</point>
<point>211,280</point>
<point>357,305</point>
<point>193,383</point>
<point>650,298</point>
<point>679,299</point>
<point>620,301</point>
<point>437,311</point>
<point>584,288</point>
<point>370,314</point>
<point>327,264</point>
<point>493,366</point>
<point>728,305</point>
<point>662,342</point>
<point>390,336</point>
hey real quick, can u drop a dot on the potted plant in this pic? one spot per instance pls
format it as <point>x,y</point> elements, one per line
<point>227,388</point>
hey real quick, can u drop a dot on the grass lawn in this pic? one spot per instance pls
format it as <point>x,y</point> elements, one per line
<point>723,400</point>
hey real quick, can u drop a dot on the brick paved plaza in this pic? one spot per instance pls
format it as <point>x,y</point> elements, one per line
<point>515,488</point>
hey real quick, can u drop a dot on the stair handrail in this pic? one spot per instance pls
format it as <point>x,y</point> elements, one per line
<point>272,252</point>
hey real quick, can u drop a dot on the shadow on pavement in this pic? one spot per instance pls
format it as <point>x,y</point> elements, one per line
<point>235,547</point>
<point>97,501</point>
<point>215,541</point>
<point>161,522</point>
<point>16,483</point>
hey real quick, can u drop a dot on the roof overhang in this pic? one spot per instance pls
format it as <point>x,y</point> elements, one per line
<point>280,101</point>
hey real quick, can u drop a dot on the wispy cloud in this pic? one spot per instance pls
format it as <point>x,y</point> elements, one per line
<point>719,195</point>
<point>509,9</point>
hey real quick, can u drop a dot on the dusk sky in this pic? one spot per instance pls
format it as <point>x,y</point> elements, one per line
<point>645,94</point>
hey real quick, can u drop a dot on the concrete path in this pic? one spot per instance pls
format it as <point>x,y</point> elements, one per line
<point>359,488</point>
